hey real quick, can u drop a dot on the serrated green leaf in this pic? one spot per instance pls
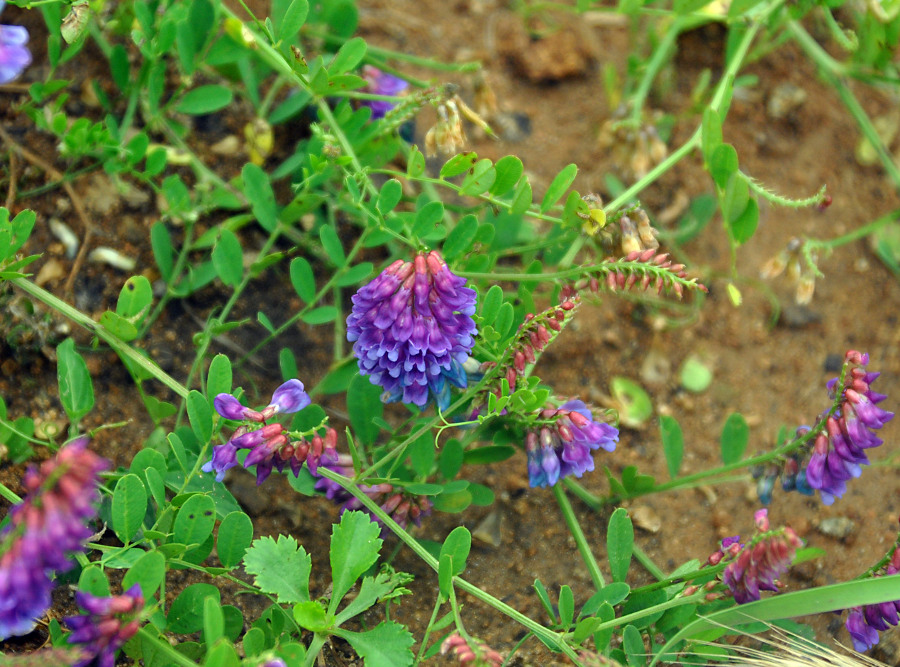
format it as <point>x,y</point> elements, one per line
<point>619,543</point>
<point>311,616</point>
<point>234,538</point>
<point>371,591</point>
<point>355,544</point>
<point>386,645</point>
<point>280,567</point>
<point>129,504</point>
<point>558,186</point>
<point>186,613</point>
<point>76,392</point>
<point>302,279</point>
<point>672,442</point>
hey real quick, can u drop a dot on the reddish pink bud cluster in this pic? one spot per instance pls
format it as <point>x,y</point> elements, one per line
<point>617,280</point>
<point>533,336</point>
<point>480,655</point>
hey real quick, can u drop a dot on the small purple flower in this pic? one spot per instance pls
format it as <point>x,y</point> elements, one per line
<point>412,330</point>
<point>382,83</point>
<point>49,524</point>
<point>863,635</point>
<point>565,446</point>
<point>403,507</point>
<point>761,562</point>
<point>838,452</point>
<point>290,397</point>
<point>864,623</point>
<point>109,623</point>
<point>14,56</point>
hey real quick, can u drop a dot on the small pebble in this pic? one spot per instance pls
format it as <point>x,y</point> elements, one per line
<point>64,233</point>
<point>838,527</point>
<point>104,255</point>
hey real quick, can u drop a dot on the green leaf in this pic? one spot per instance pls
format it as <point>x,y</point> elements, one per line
<point>280,567</point>
<point>386,645</point>
<point>695,375</point>
<point>348,56</point>
<point>129,504</point>
<point>451,459</point>
<point>213,621</point>
<point>254,641</point>
<point>453,502</point>
<point>619,543</point>
<point>259,193</point>
<point>219,377</point>
<point>149,571</point>
<point>488,454</point>
<point>355,544</point>
<point>234,538</point>
<point>427,217</point>
<point>558,186</point>
<point>522,199</point>
<point>371,591</point>
<point>389,196</point>
<point>636,408</point>
<point>186,613</point>
<point>491,304</point>
<point>204,99</point>
<point>744,226</point>
<point>415,165</point>
<point>303,280</point>
<point>365,408</point>
<point>509,170</point>
<point>460,238</point>
<point>355,275</point>
<point>93,581</point>
<point>711,136</point>
<point>118,326</point>
<point>75,389</point>
<point>332,245</point>
<point>479,179</point>
<point>163,252</point>
<point>672,442</point>
<point>541,591</point>
<point>735,436</point>
<point>200,415</point>
<point>735,198</point>
<point>566,606</point>
<point>723,163</point>
<point>321,315</point>
<point>195,520</point>
<point>312,616</point>
<point>288,25</point>
<point>633,644</point>
<point>135,298</point>
<point>459,164</point>
<point>228,258</point>
<point>457,546</point>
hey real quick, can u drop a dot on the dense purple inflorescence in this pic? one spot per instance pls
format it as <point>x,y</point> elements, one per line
<point>14,55</point>
<point>864,623</point>
<point>44,529</point>
<point>838,452</point>
<point>761,562</point>
<point>108,624</point>
<point>412,330</point>
<point>381,83</point>
<point>565,445</point>
<point>269,444</point>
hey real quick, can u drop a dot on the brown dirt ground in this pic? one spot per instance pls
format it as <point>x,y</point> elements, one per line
<point>773,375</point>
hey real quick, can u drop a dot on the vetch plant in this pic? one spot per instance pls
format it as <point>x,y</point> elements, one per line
<point>419,302</point>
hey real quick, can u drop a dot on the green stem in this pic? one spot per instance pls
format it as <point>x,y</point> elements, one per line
<point>548,636</point>
<point>9,494</point>
<point>575,528</point>
<point>660,55</point>
<point>122,348</point>
<point>856,234</point>
<point>644,559</point>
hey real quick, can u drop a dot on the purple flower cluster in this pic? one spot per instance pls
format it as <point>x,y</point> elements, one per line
<point>270,444</point>
<point>49,524</point>
<point>14,55</point>
<point>109,623</point>
<point>382,83</point>
<point>564,445</point>
<point>412,330</point>
<point>761,562</point>
<point>400,505</point>
<point>864,623</point>
<point>838,451</point>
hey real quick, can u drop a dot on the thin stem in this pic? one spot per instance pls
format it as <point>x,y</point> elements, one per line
<point>644,559</point>
<point>575,528</point>
<point>9,494</point>
<point>548,636</point>
<point>165,648</point>
<point>856,234</point>
<point>660,55</point>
